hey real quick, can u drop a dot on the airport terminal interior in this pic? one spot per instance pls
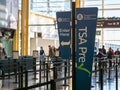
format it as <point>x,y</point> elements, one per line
<point>59,45</point>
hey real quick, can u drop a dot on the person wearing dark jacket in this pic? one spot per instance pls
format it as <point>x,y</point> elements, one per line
<point>103,50</point>
<point>100,53</point>
<point>110,55</point>
<point>42,54</point>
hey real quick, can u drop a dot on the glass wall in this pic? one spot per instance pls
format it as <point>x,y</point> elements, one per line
<point>50,7</point>
<point>107,8</point>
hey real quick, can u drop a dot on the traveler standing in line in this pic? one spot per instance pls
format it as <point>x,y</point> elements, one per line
<point>100,54</point>
<point>57,52</point>
<point>53,51</point>
<point>50,51</point>
<point>49,55</point>
<point>103,50</point>
<point>110,55</point>
<point>42,55</point>
<point>117,52</point>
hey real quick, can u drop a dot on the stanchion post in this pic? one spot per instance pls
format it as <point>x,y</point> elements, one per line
<point>34,68</point>
<point>26,79</point>
<point>47,74</point>
<point>116,75</point>
<point>68,67</point>
<point>9,68</point>
<point>15,58</point>
<point>109,70</point>
<point>53,85</point>
<point>54,73</point>
<point>35,55</point>
<point>65,72</point>
<point>99,70</point>
<point>21,77</point>
<point>101,78</point>
<point>44,68</point>
<point>40,72</point>
<point>95,65</point>
<point>15,68</point>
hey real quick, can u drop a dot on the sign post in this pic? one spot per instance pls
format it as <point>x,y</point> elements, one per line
<point>73,47</point>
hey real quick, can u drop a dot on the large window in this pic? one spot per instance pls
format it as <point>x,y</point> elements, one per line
<point>107,8</point>
<point>50,7</point>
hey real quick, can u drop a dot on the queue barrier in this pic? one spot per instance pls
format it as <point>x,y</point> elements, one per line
<point>55,79</point>
<point>101,69</point>
<point>9,65</point>
<point>48,82</point>
<point>25,65</point>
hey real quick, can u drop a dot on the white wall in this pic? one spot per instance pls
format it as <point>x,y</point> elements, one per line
<point>42,42</point>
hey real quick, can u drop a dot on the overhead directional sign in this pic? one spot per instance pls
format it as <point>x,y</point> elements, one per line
<point>85,37</point>
<point>108,24</point>
<point>64,30</point>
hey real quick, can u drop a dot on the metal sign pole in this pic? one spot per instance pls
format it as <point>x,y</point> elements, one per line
<point>73,47</point>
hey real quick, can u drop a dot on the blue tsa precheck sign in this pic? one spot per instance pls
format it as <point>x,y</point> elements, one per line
<point>85,39</point>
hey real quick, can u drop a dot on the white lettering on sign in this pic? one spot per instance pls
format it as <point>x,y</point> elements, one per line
<point>83,51</point>
<point>82,39</point>
<point>64,32</point>
<point>82,35</point>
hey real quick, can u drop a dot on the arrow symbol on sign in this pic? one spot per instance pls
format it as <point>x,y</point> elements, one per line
<point>65,43</point>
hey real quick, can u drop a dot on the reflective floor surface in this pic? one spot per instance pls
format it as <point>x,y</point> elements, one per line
<point>108,83</point>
